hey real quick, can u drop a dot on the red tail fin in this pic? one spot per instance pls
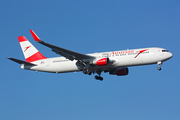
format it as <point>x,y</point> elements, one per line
<point>30,52</point>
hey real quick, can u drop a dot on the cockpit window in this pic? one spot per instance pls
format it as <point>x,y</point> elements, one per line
<point>165,51</point>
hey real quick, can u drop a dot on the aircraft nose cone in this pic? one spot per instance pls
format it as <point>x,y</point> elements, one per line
<point>170,55</point>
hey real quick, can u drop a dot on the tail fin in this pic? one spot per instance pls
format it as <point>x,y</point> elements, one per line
<point>30,52</point>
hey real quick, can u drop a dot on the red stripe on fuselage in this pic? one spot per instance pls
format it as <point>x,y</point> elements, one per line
<point>22,39</point>
<point>143,51</point>
<point>35,57</point>
<point>140,52</point>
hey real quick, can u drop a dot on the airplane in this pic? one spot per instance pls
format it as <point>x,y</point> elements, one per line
<point>113,62</point>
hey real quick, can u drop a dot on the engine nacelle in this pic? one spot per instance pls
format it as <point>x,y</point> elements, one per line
<point>120,71</point>
<point>100,62</point>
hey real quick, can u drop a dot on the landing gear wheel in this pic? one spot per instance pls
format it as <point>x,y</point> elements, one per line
<point>89,73</point>
<point>98,78</point>
<point>84,71</point>
<point>159,68</point>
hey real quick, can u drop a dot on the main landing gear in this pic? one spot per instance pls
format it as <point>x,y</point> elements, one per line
<point>98,77</point>
<point>160,64</point>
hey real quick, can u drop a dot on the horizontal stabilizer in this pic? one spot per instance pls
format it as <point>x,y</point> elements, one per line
<point>21,62</point>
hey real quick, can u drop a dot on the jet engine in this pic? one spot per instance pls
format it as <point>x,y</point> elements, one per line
<point>100,62</point>
<point>119,71</point>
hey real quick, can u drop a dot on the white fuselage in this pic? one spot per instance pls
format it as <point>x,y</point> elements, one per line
<point>124,58</point>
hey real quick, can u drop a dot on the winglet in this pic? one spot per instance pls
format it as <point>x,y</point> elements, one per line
<point>36,38</point>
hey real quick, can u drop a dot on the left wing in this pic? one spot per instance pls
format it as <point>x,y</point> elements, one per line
<point>71,55</point>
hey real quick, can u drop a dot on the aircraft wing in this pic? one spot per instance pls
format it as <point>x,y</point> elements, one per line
<point>71,55</point>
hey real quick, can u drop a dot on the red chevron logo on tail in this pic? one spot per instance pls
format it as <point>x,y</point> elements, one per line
<point>27,48</point>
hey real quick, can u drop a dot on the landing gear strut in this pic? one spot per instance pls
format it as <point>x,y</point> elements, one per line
<point>159,63</point>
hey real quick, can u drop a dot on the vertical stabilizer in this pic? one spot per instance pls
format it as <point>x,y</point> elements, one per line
<point>30,52</point>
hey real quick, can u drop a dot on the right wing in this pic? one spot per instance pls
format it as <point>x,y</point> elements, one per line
<point>71,55</point>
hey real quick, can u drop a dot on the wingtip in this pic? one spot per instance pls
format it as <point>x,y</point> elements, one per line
<point>36,38</point>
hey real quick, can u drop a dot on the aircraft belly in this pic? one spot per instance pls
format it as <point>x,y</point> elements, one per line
<point>58,67</point>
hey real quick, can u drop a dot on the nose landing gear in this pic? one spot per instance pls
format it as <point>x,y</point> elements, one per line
<point>160,64</point>
<point>159,68</point>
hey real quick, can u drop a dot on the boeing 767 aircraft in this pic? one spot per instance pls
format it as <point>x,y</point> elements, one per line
<point>114,62</point>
